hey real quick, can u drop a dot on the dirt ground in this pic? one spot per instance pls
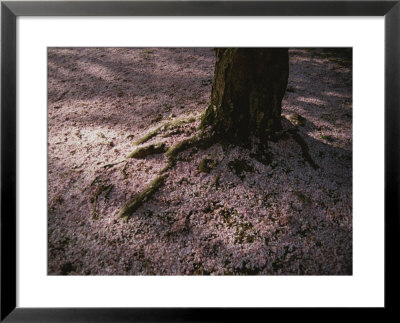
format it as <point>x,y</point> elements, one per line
<point>291,215</point>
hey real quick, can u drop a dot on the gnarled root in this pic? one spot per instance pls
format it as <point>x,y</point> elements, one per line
<point>169,125</point>
<point>142,152</point>
<point>155,184</point>
<point>142,197</point>
<point>94,200</point>
<point>304,149</point>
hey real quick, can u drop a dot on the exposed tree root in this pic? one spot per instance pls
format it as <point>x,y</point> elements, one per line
<point>215,181</point>
<point>197,141</point>
<point>169,125</point>
<point>206,165</point>
<point>304,148</point>
<point>174,150</point>
<point>147,136</point>
<point>155,184</point>
<point>200,141</point>
<point>97,179</point>
<point>94,200</point>
<point>107,191</point>
<point>112,164</point>
<point>142,197</point>
<point>123,170</point>
<point>142,152</point>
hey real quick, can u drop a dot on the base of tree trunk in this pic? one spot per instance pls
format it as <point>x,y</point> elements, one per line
<point>247,92</point>
<point>248,88</point>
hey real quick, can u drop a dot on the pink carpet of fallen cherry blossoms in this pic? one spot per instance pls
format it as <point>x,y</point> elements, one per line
<point>281,217</point>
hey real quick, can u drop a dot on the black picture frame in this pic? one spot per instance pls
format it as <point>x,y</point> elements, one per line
<point>10,10</point>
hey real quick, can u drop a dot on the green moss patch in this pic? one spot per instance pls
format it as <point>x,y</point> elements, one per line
<point>147,137</point>
<point>142,152</point>
<point>169,125</point>
<point>174,150</point>
<point>195,142</point>
<point>215,181</point>
<point>297,120</point>
<point>171,155</point>
<point>206,165</point>
<point>142,197</point>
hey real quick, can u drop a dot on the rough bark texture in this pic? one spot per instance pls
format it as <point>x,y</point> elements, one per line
<point>248,88</point>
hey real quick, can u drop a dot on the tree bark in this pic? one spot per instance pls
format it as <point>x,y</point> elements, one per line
<point>247,91</point>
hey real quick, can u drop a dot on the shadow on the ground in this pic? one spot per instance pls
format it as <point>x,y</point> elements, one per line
<point>306,240</point>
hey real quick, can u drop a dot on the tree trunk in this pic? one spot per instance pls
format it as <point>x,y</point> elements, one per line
<point>248,88</point>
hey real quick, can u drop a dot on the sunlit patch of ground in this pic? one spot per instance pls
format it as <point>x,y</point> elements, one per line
<point>221,210</point>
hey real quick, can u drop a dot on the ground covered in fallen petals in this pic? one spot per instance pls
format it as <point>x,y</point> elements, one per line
<point>222,210</point>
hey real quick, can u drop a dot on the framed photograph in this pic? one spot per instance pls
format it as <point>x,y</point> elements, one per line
<point>197,160</point>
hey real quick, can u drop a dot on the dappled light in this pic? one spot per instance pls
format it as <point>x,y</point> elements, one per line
<point>223,209</point>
